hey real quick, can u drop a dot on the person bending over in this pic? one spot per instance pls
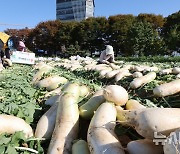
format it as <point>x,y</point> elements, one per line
<point>107,56</point>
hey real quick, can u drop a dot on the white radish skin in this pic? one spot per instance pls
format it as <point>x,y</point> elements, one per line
<point>40,65</point>
<point>84,91</point>
<point>140,68</point>
<point>72,88</point>
<point>172,146</point>
<point>113,66</point>
<point>11,124</point>
<point>150,69</point>
<point>102,73</point>
<point>80,147</point>
<point>153,69</point>
<point>137,82</point>
<point>95,67</point>
<point>111,74</point>
<point>167,89</point>
<point>75,67</point>
<point>176,70</point>
<point>87,110</point>
<point>178,76</point>
<point>89,67</point>
<point>127,115</point>
<point>121,75</point>
<point>101,137</point>
<point>134,104</point>
<point>52,100</point>
<point>49,81</point>
<point>56,91</point>
<point>46,123</point>
<point>55,85</point>
<point>165,71</point>
<point>137,74</point>
<point>66,127</point>
<point>40,73</point>
<point>116,94</point>
<point>153,120</point>
<point>144,146</point>
<point>128,67</point>
<point>98,69</point>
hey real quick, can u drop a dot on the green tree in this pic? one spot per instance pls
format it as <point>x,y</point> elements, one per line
<point>142,39</point>
<point>117,32</point>
<point>64,34</point>
<point>91,34</point>
<point>171,31</point>
<point>157,21</point>
<point>43,36</point>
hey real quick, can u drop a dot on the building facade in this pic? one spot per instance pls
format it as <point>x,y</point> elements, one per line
<point>74,10</point>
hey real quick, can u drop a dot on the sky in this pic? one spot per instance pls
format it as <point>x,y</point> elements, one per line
<point>17,14</point>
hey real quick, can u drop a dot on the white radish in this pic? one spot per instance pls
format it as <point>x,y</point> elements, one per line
<point>87,110</point>
<point>102,73</point>
<point>134,104</point>
<point>51,82</point>
<point>114,67</point>
<point>151,120</point>
<point>80,147</point>
<point>140,68</point>
<point>39,65</point>
<point>137,82</point>
<point>101,137</point>
<point>116,94</point>
<point>121,75</point>
<point>167,89</point>
<point>56,91</point>
<point>40,73</point>
<point>84,91</point>
<point>66,127</point>
<point>165,71</point>
<point>137,74</point>
<point>46,123</point>
<point>72,88</point>
<point>127,115</point>
<point>176,70</point>
<point>144,146</point>
<point>52,100</point>
<point>11,124</point>
<point>111,74</point>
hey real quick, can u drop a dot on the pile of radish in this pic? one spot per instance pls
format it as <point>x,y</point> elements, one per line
<point>104,109</point>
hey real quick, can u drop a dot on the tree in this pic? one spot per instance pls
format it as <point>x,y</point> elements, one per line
<point>142,39</point>
<point>171,31</point>
<point>118,27</point>
<point>157,21</point>
<point>91,34</point>
<point>43,36</point>
<point>64,34</point>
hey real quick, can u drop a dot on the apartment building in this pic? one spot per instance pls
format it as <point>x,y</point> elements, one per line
<point>74,10</point>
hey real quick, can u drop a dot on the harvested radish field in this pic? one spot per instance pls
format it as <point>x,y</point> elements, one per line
<point>78,106</point>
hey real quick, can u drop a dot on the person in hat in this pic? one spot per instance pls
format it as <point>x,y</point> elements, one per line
<point>21,46</point>
<point>107,56</point>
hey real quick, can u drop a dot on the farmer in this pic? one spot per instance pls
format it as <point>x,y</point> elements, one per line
<point>107,56</point>
<point>21,46</point>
